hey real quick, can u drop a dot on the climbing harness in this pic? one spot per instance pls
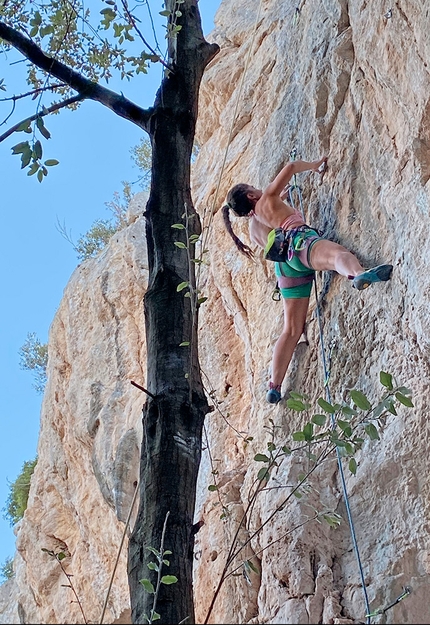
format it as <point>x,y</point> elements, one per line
<point>281,245</point>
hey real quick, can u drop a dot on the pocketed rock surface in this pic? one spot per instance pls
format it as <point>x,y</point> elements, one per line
<point>339,78</point>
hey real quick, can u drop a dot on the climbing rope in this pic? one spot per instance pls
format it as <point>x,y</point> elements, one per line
<point>328,397</point>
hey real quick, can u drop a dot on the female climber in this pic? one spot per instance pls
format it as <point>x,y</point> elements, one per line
<point>307,252</point>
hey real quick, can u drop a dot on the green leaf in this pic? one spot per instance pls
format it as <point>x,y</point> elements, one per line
<point>352,465</point>
<point>37,19</point>
<point>263,474</point>
<point>286,450</point>
<point>348,411</point>
<point>308,431</point>
<point>341,449</point>
<point>154,551</point>
<point>46,30</point>
<point>51,162</point>
<point>386,380</point>
<point>165,13</point>
<point>184,344</point>
<point>178,226</point>
<point>152,566</point>
<point>37,149</point>
<point>349,449</point>
<point>201,300</point>
<point>167,552</point>
<point>299,436</point>
<point>25,159</point>
<point>48,551</point>
<point>166,562</point>
<point>295,395</point>
<point>61,556</point>
<point>42,129</point>
<point>33,169</point>
<point>181,245</point>
<point>212,487</point>
<point>332,519</point>
<point>169,579</point>
<point>404,400</point>
<point>40,175</point>
<point>344,425</point>
<point>155,616</point>
<point>182,286</point>
<point>360,400</point>
<point>389,403</point>
<point>19,148</point>
<point>404,390</point>
<point>296,404</point>
<point>322,403</point>
<point>147,586</point>
<point>252,566</point>
<point>319,419</point>
<point>193,238</point>
<point>24,127</point>
<point>379,409</point>
<point>110,13</point>
<point>371,431</point>
<point>261,458</point>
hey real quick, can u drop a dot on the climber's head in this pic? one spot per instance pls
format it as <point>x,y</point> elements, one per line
<point>241,199</point>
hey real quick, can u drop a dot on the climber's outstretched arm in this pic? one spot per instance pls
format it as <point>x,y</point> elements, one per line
<point>295,167</point>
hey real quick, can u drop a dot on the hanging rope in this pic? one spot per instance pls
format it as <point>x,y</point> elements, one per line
<point>333,420</point>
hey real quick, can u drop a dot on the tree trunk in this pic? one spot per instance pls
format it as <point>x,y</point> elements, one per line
<point>173,418</point>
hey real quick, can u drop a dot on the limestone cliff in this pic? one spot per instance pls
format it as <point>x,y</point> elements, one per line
<point>350,79</point>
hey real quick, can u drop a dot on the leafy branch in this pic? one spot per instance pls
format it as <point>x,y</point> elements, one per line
<point>320,438</point>
<point>157,566</point>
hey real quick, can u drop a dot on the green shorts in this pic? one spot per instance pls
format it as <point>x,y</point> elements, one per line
<point>295,276</point>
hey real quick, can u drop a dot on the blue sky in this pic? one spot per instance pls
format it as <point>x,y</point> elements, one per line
<point>93,147</point>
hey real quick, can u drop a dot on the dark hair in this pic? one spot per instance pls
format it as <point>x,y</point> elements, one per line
<point>239,202</point>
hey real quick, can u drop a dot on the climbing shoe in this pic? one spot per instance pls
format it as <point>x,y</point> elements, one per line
<point>381,273</point>
<point>273,396</point>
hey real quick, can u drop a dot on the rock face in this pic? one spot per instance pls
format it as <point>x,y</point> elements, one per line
<point>347,79</point>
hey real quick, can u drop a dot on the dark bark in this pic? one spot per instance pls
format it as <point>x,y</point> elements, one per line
<point>174,413</point>
<point>172,422</point>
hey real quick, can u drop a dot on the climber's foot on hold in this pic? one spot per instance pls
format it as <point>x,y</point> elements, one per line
<point>381,273</point>
<point>273,395</point>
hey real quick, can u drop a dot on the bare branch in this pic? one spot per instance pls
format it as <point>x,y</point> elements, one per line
<point>33,92</point>
<point>46,111</point>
